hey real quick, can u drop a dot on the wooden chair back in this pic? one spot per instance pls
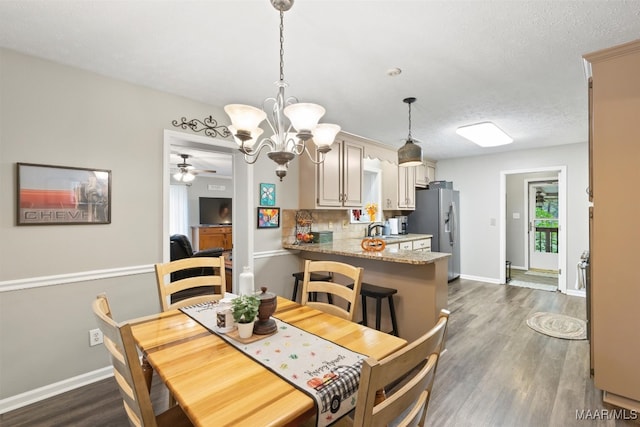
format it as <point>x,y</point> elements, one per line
<point>127,371</point>
<point>167,288</point>
<point>410,400</point>
<point>350,294</point>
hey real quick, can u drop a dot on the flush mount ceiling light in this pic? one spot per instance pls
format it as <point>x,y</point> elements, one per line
<point>284,145</point>
<point>485,134</point>
<point>410,154</point>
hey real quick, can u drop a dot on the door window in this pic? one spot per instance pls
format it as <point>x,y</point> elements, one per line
<point>546,222</point>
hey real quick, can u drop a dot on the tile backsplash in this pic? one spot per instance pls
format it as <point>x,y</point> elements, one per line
<point>337,221</point>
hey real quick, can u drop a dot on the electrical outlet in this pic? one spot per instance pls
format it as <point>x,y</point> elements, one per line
<point>95,337</point>
<point>330,225</point>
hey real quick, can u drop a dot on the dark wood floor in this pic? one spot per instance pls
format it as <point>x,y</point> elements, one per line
<point>496,371</point>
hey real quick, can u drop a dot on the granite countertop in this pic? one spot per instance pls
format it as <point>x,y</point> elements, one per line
<point>352,248</point>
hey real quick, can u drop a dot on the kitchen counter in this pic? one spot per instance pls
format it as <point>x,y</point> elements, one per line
<point>419,276</point>
<point>352,248</point>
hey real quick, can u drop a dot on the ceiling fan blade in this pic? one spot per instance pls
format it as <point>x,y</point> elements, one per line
<point>204,171</point>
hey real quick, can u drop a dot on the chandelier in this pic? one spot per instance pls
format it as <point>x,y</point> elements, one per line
<point>284,145</point>
<point>409,154</point>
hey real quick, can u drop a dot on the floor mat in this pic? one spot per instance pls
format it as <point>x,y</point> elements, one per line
<point>558,326</point>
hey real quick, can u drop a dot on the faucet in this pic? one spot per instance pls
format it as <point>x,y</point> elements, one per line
<point>372,227</point>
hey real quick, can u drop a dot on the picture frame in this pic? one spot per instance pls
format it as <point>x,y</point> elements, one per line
<point>268,217</point>
<point>267,194</point>
<point>62,195</point>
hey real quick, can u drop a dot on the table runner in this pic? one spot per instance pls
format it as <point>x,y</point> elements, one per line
<point>326,371</point>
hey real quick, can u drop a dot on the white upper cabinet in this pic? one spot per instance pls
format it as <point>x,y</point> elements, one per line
<point>425,173</point>
<point>335,183</point>
<point>407,188</point>
<point>389,186</point>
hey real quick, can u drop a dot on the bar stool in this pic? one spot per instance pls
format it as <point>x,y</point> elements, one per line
<point>379,293</point>
<point>316,277</point>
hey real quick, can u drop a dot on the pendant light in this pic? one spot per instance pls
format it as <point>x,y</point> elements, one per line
<point>410,154</point>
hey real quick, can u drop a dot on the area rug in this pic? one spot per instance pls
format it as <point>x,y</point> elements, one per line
<point>558,326</point>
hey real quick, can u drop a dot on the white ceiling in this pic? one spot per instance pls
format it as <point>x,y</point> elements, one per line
<point>516,63</point>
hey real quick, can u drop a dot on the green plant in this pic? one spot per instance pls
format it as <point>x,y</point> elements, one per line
<point>245,308</point>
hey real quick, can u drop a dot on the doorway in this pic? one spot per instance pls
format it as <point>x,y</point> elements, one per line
<point>519,217</point>
<point>242,179</point>
<point>542,232</point>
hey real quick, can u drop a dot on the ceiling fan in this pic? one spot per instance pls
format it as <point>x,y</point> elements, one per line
<point>186,172</point>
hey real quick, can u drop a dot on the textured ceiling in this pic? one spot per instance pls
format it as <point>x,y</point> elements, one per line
<point>516,63</point>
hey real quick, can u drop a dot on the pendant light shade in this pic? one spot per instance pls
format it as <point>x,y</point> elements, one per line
<point>410,154</point>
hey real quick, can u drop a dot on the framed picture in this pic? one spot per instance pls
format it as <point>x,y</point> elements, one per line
<point>267,194</point>
<point>268,217</point>
<point>54,195</point>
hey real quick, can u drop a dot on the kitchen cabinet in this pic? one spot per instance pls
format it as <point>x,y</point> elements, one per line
<point>337,181</point>
<point>413,245</point>
<point>425,173</point>
<point>389,186</point>
<point>407,188</point>
<point>212,237</point>
<point>615,235</point>
<point>422,245</point>
<point>408,246</point>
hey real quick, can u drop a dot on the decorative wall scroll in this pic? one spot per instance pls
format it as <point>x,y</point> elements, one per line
<point>209,125</point>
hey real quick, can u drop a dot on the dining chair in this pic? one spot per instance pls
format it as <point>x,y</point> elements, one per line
<point>190,290</point>
<point>348,294</point>
<point>410,372</point>
<point>127,371</point>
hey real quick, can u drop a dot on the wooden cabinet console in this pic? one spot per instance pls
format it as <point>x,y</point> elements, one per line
<point>211,237</point>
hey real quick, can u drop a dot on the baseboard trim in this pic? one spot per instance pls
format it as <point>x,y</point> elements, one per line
<point>41,393</point>
<point>480,279</point>
<point>63,279</point>
<point>577,293</point>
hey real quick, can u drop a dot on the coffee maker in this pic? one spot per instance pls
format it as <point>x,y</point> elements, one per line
<point>403,222</point>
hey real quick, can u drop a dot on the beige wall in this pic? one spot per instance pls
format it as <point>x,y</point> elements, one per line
<point>54,114</point>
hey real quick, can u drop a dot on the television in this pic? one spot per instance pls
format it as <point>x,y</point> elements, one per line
<point>215,210</point>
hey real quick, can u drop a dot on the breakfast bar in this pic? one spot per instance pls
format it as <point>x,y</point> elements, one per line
<point>419,276</point>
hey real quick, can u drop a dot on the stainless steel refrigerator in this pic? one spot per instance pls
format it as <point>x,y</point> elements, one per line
<point>437,212</point>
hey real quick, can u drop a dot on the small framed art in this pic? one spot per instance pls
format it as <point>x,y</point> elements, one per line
<point>268,217</point>
<point>267,194</point>
<point>58,195</point>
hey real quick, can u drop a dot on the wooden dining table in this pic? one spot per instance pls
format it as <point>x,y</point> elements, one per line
<point>218,385</point>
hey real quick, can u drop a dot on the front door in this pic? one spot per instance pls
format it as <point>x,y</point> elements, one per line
<point>543,225</point>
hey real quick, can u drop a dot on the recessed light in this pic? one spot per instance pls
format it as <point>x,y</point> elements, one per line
<point>392,72</point>
<point>485,134</point>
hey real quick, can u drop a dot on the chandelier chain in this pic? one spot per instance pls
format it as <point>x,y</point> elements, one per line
<point>281,46</point>
<point>410,122</point>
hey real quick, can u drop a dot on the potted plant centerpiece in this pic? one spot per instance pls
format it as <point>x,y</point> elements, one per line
<point>245,309</point>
